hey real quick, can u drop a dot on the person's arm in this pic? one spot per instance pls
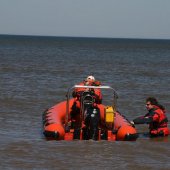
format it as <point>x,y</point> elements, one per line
<point>97,83</point>
<point>98,96</point>
<point>143,120</point>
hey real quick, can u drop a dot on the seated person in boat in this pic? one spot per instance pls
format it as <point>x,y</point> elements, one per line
<point>89,81</point>
<point>156,118</point>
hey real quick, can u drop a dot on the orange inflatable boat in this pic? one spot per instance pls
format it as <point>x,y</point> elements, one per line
<point>82,118</point>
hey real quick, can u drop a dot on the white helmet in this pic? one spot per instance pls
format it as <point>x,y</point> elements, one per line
<point>91,78</point>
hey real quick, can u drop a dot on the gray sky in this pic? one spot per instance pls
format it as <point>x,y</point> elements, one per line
<point>86,18</point>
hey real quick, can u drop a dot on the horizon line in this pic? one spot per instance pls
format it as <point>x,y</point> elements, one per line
<point>88,37</point>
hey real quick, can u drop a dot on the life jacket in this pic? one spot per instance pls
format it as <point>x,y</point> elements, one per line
<point>159,125</point>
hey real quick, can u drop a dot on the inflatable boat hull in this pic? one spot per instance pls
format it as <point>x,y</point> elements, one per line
<point>113,126</point>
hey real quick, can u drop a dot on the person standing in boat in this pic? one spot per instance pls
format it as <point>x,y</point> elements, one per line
<point>156,118</point>
<point>89,81</point>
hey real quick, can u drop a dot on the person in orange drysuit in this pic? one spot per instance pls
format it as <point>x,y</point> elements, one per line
<point>89,81</point>
<point>156,118</point>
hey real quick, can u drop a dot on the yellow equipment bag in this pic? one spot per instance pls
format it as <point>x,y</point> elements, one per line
<point>109,114</point>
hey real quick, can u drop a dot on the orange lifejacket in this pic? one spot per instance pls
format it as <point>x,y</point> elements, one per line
<point>159,125</point>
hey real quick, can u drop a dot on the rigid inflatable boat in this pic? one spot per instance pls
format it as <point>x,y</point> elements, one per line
<point>84,119</point>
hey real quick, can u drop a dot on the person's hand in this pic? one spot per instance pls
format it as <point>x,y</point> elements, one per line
<point>132,122</point>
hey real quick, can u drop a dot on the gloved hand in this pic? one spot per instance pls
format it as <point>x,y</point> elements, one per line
<point>132,122</point>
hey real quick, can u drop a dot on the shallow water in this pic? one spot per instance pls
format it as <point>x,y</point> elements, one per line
<point>35,74</point>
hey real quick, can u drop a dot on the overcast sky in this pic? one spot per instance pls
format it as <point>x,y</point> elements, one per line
<point>86,18</point>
